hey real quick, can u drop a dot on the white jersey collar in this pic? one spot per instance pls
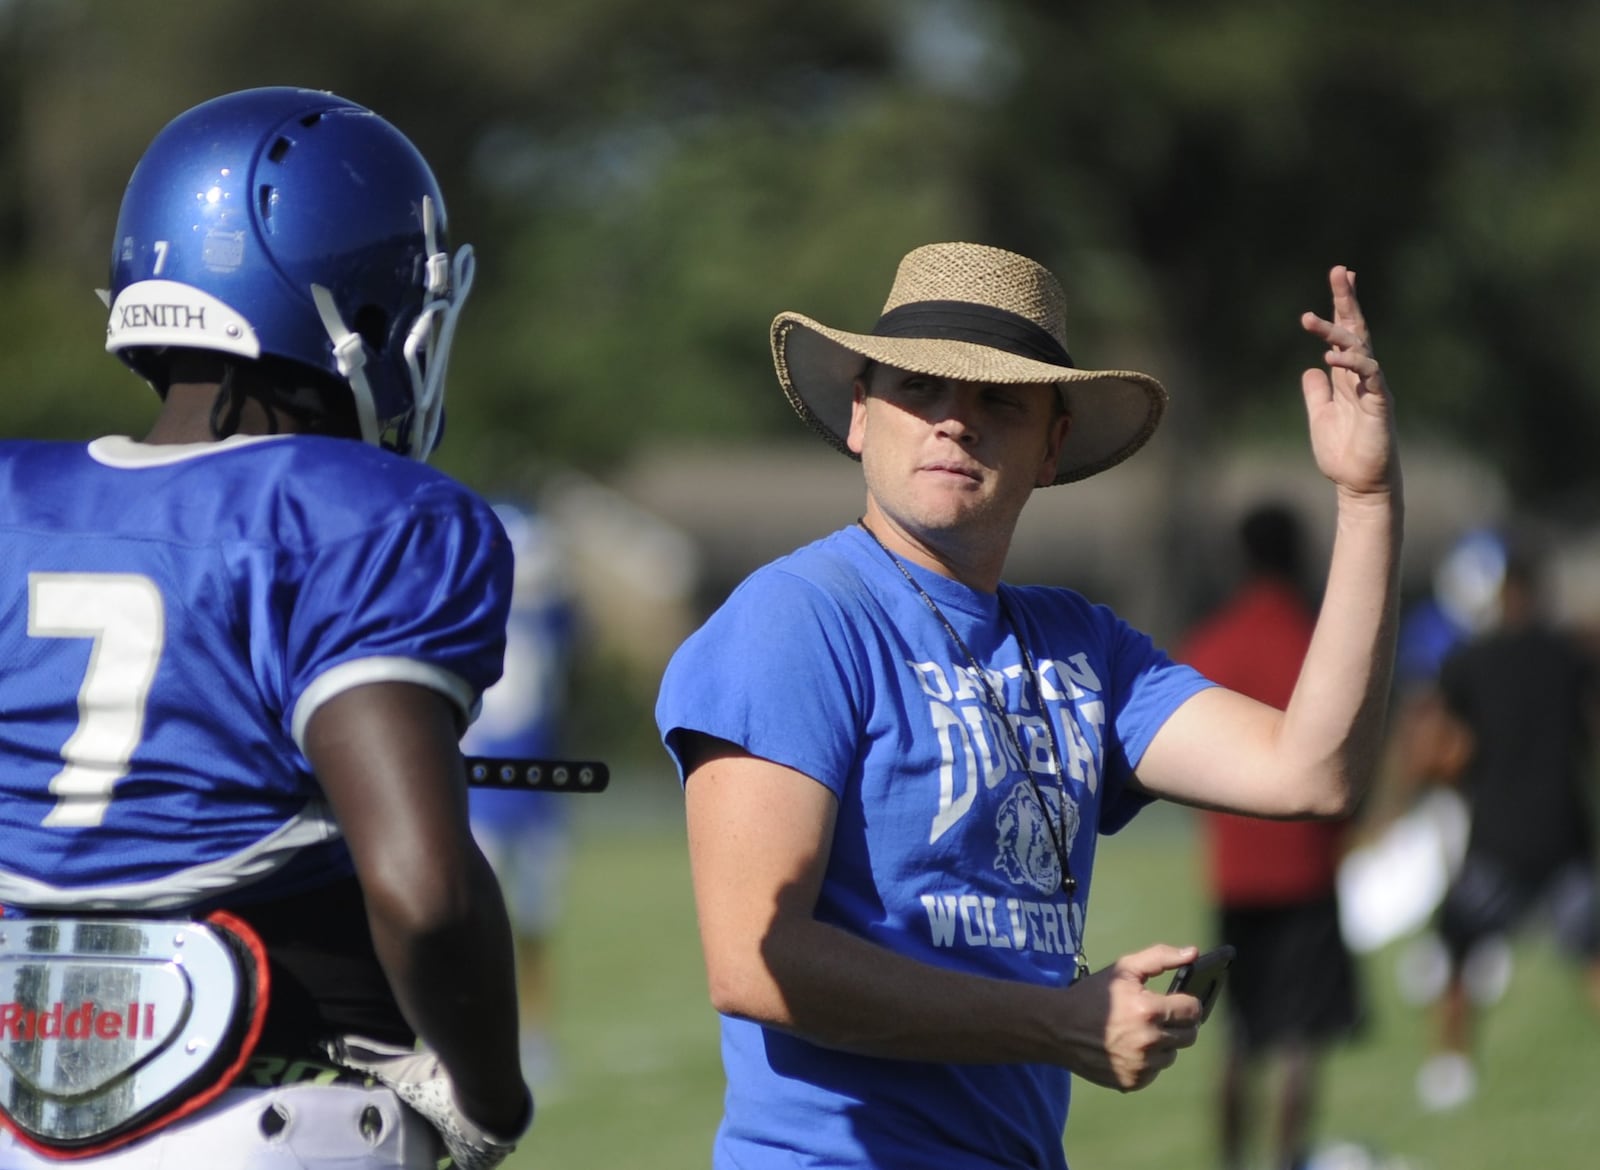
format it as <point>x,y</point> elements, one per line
<point>122,452</point>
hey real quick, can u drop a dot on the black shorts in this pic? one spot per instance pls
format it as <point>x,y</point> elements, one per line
<point>1488,898</point>
<point>1293,978</point>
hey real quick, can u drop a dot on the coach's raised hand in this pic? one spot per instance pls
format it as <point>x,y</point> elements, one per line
<point>1348,406</point>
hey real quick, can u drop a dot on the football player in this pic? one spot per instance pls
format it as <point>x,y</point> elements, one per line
<point>240,652</point>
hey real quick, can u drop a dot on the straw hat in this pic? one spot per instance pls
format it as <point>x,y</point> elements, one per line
<point>978,314</point>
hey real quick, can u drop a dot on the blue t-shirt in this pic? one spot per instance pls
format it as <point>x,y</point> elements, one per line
<point>171,617</point>
<point>829,662</point>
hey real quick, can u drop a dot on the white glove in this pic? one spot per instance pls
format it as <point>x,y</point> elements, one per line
<point>418,1079</point>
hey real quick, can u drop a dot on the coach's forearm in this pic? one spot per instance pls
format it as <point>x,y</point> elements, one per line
<point>1333,727</point>
<point>838,990</point>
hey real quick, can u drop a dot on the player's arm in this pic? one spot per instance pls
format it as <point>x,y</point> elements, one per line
<point>1222,750</point>
<point>759,837</point>
<point>386,755</point>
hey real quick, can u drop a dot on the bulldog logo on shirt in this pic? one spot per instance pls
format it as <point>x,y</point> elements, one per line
<point>1026,849</point>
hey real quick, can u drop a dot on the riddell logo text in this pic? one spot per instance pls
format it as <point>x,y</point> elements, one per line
<point>135,1022</point>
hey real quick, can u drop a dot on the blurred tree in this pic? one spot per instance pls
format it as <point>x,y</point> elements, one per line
<point>1217,158</point>
<point>647,184</point>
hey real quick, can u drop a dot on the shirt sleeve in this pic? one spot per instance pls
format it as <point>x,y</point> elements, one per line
<point>421,599</point>
<point>771,671</point>
<point>1146,687</point>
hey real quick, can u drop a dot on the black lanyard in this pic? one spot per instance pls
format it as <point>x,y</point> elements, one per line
<point>1057,824</point>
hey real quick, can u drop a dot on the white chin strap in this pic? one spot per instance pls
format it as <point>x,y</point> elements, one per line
<point>426,349</point>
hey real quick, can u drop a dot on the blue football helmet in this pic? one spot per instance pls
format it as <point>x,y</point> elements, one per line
<point>294,224</point>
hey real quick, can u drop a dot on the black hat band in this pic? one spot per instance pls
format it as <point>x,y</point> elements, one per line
<point>979,324</point>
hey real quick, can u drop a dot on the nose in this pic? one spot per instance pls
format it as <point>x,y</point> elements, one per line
<point>956,429</point>
<point>957,417</point>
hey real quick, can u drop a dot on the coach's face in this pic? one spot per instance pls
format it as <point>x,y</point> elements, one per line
<point>951,458</point>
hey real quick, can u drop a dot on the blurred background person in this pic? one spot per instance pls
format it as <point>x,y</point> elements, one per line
<point>525,835</point>
<point>1413,829</point>
<point>1519,704</point>
<point>1293,984</point>
<point>1464,601</point>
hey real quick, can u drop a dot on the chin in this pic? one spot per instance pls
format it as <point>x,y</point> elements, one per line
<point>950,518</point>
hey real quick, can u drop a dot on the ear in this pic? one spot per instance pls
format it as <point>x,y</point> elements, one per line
<point>858,418</point>
<point>1060,427</point>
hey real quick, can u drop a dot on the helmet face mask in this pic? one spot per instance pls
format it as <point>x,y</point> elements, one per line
<point>293,224</point>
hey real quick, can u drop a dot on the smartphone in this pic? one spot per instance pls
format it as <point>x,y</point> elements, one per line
<point>1204,978</point>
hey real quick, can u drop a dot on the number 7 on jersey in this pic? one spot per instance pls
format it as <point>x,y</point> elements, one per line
<point>123,613</point>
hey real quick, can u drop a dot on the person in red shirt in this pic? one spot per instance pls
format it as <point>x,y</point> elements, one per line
<point>1292,987</point>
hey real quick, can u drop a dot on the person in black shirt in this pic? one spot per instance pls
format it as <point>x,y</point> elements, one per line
<point>1522,697</point>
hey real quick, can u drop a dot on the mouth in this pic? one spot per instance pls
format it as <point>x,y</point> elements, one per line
<point>958,470</point>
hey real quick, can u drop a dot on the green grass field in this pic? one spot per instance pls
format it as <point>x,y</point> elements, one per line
<point>642,1083</point>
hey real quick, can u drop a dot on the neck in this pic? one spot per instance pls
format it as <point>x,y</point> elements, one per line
<point>186,416</point>
<point>977,568</point>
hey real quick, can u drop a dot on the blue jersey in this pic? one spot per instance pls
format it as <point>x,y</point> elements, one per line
<point>829,662</point>
<point>170,619</point>
<point>521,715</point>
